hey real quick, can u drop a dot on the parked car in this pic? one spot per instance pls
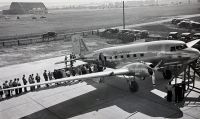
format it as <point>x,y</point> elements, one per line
<point>177,20</point>
<point>186,37</point>
<point>184,24</point>
<point>173,36</point>
<point>196,36</point>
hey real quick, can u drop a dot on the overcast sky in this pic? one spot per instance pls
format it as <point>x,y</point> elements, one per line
<point>75,1</point>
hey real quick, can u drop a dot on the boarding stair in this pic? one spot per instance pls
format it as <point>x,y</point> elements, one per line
<point>195,66</point>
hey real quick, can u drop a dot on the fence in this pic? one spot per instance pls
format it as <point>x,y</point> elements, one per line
<point>39,39</point>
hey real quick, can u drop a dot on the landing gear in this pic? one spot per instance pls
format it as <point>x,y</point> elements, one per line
<point>133,86</point>
<point>167,74</point>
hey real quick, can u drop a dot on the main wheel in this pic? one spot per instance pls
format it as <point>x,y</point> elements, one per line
<point>133,86</point>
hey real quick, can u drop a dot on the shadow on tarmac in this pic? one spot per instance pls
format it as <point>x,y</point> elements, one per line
<point>114,92</point>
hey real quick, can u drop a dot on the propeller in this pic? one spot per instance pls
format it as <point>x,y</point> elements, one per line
<point>152,71</point>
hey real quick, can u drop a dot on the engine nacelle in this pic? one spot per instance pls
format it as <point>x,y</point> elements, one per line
<point>140,70</point>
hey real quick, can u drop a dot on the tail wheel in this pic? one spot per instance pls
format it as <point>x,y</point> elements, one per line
<point>133,86</point>
<point>167,74</point>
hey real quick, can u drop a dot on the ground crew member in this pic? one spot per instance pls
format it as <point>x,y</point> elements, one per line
<point>24,82</point>
<point>176,88</point>
<point>183,89</point>
<point>169,92</point>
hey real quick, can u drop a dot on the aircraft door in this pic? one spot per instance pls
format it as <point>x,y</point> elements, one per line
<point>102,59</point>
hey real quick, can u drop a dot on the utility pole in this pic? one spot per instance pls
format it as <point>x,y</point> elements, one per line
<point>123,16</point>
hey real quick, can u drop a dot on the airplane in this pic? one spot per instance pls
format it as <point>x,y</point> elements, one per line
<point>137,60</point>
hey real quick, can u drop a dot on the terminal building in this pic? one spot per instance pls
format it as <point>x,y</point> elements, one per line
<point>26,8</point>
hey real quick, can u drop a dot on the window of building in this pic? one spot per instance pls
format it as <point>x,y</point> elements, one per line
<point>122,56</point>
<point>141,55</point>
<point>134,55</point>
<point>115,57</point>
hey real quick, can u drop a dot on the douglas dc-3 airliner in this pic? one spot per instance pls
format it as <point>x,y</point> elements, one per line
<point>138,60</point>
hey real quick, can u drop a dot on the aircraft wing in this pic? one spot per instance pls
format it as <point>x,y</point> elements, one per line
<point>113,72</point>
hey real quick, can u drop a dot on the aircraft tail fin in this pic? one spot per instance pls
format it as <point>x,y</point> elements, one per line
<point>78,46</point>
<point>190,44</point>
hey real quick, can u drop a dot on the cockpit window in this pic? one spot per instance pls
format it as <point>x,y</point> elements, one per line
<point>178,47</point>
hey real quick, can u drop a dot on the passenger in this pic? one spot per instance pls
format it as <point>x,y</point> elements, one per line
<point>33,81</point>
<point>67,73</point>
<point>66,61</point>
<point>1,93</point>
<point>89,68</point>
<point>60,75</point>
<point>73,72</point>
<point>95,69</point>
<point>24,82</point>
<point>30,80</point>
<point>79,72</point>
<point>15,85</point>
<point>11,85</point>
<point>5,92</point>
<point>63,73</point>
<point>8,91</point>
<point>83,69</point>
<point>55,74</point>
<point>169,92</point>
<point>50,75</point>
<point>37,78</point>
<point>19,84</point>
<point>71,63</point>
<point>45,77</point>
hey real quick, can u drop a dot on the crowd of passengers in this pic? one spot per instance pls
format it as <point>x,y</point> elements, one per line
<point>47,76</point>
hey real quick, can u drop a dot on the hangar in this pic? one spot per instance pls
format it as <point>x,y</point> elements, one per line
<point>26,8</point>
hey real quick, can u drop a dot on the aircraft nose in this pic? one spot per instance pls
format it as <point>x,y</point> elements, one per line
<point>196,52</point>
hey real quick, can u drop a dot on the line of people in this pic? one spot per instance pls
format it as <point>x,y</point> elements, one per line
<point>48,76</point>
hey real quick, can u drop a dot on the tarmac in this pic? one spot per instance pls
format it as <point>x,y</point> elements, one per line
<point>92,100</point>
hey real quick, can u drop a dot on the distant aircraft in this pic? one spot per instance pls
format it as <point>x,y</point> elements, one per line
<point>138,60</point>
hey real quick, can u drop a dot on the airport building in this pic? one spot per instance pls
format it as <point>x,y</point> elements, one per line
<point>26,8</point>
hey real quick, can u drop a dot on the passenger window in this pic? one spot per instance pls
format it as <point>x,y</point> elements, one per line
<point>110,57</point>
<point>115,57</point>
<point>178,47</point>
<point>173,49</point>
<point>122,56</point>
<point>134,55</point>
<point>142,55</point>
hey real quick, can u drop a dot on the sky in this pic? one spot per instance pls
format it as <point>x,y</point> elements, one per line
<point>61,2</point>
